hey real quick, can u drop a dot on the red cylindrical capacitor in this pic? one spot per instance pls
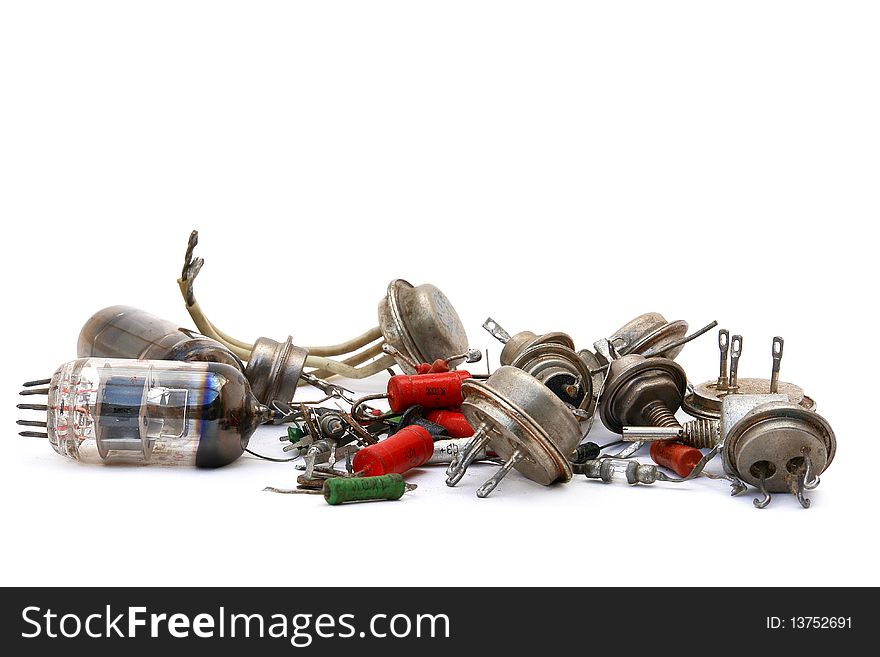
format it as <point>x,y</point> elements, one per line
<point>442,390</point>
<point>679,458</point>
<point>408,448</point>
<point>453,421</point>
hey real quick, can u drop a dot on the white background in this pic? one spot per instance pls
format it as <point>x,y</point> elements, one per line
<point>559,166</point>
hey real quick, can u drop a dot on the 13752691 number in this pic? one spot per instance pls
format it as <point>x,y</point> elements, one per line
<point>821,622</point>
<point>810,623</point>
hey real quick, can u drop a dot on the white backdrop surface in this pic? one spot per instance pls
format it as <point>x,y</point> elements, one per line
<point>556,165</point>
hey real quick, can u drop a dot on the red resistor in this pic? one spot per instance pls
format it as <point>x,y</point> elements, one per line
<point>679,458</point>
<point>437,367</point>
<point>453,421</point>
<point>408,448</point>
<point>442,390</point>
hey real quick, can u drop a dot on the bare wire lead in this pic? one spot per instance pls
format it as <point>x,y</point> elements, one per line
<point>38,382</point>
<point>30,423</point>
<point>34,391</point>
<point>764,500</point>
<point>653,351</point>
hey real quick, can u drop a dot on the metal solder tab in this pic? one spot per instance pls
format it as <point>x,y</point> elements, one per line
<point>607,350</point>
<point>331,457</point>
<point>310,464</point>
<point>724,348</point>
<point>469,356</point>
<point>735,353</point>
<point>459,466</point>
<point>492,484</point>
<point>496,331</point>
<point>777,362</point>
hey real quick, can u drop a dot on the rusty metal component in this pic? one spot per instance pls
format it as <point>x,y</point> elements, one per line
<point>700,433</point>
<point>518,343</point>
<point>521,420</point>
<point>642,391</point>
<point>364,437</point>
<point>594,363</point>
<point>705,400</point>
<point>776,446</point>
<point>735,407</point>
<point>650,332</point>
<point>421,324</point>
<point>561,369</point>
<point>274,369</point>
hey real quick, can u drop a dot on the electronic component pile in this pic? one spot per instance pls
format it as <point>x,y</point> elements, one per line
<point>145,391</point>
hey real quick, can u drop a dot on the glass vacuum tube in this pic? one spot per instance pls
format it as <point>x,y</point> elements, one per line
<point>104,410</point>
<point>126,332</point>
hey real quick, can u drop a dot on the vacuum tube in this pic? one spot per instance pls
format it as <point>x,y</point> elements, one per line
<point>126,332</point>
<point>273,369</point>
<point>102,410</point>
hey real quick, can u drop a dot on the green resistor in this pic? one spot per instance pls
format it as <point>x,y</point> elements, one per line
<point>340,490</point>
<point>294,433</point>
